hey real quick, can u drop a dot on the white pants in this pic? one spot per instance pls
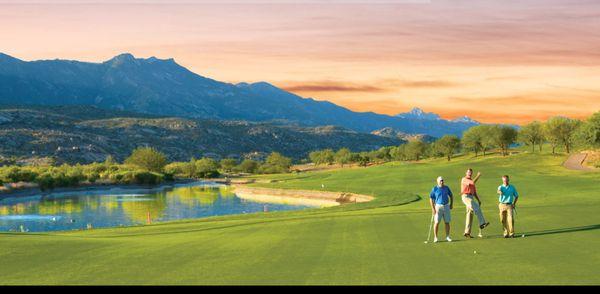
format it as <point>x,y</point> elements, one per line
<point>442,212</point>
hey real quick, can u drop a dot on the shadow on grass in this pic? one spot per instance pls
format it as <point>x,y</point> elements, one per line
<point>549,232</point>
<point>563,230</point>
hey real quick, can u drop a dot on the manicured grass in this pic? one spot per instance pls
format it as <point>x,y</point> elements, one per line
<point>373,243</point>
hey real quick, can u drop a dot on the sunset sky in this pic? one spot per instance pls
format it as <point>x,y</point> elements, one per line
<point>505,61</point>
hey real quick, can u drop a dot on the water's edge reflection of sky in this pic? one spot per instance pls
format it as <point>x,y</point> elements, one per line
<point>124,207</point>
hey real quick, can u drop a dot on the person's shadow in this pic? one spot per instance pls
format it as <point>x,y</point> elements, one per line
<point>551,231</point>
<point>562,230</point>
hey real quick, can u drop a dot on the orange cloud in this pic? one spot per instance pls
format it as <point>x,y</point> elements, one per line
<point>327,86</point>
<point>380,86</point>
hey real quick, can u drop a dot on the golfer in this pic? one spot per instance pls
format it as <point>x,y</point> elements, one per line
<point>508,200</point>
<point>469,192</point>
<point>441,203</point>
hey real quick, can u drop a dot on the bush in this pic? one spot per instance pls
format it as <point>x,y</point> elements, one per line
<point>147,178</point>
<point>17,174</point>
<point>45,181</point>
<point>272,169</point>
<point>181,169</point>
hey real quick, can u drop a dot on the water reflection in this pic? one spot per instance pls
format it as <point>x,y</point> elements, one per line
<point>124,207</point>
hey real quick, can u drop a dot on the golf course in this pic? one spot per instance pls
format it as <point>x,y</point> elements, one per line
<point>378,242</point>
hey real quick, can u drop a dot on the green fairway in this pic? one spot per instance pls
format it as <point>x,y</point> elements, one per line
<point>380,242</point>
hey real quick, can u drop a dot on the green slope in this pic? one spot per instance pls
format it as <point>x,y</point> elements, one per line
<point>373,243</point>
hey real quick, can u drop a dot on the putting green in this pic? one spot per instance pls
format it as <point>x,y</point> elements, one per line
<point>373,243</point>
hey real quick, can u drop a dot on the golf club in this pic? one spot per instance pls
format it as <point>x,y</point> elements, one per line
<point>429,233</point>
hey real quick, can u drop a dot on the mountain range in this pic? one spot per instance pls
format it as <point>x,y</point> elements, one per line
<point>163,87</point>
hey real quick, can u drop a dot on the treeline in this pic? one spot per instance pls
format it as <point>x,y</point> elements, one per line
<point>148,166</point>
<point>145,166</point>
<point>558,132</point>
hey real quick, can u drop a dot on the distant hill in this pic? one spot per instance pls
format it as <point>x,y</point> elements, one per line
<point>163,87</point>
<point>392,133</point>
<point>86,134</point>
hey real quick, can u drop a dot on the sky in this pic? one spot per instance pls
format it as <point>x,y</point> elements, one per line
<point>509,61</point>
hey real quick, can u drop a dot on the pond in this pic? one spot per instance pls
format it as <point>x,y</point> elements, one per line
<point>116,207</point>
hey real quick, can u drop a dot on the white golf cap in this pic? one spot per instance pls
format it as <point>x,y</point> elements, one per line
<point>440,178</point>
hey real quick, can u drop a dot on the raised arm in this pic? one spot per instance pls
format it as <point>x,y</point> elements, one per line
<point>477,177</point>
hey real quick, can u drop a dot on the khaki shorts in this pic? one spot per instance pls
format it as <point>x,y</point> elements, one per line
<point>442,212</point>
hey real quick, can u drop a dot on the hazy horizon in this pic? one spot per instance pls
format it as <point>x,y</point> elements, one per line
<point>495,61</point>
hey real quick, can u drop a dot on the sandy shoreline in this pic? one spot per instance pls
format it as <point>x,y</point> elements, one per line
<point>299,197</point>
<point>257,194</point>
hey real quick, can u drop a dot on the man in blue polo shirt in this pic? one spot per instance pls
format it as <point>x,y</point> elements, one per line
<point>508,200</point>
<point>441,203</point>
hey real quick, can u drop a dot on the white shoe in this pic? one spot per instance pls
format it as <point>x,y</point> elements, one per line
<point>435,240</point>
<point>448,239</point>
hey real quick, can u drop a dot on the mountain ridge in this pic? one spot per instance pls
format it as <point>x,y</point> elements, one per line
<point>163,87</point>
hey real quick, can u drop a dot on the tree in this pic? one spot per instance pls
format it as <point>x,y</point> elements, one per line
<point>228,164</point>
<point>589,132</point>
<point>189,169</point>
<point>207,168</point>
<point>504,136</point>
<point>532,134</point>
<point>561,131</point>
<point>326,156</point>
<point>473,139</point>
<point>248,166</point>
<point>110,160</point>
<point>343,156</point>
<point>276,163</point>
<point>415,150</point>
<point>398,153</point>
<point>488,137</point>
<point>363,159</point>
<point>381,154</point>
<point>447,145</point>
<point>147,158</point>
